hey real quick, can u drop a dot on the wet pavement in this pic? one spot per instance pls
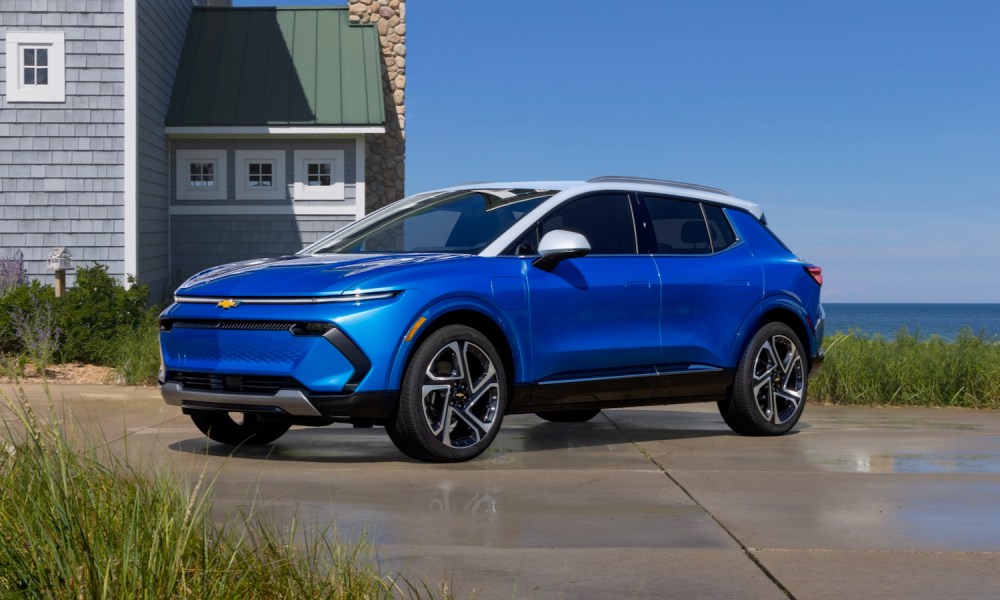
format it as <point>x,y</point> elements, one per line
<point>640,503</point>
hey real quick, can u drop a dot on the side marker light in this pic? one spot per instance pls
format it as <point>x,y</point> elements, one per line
<point>413,330</point>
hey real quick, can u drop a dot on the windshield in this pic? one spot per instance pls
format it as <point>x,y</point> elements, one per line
<point>462,222</point>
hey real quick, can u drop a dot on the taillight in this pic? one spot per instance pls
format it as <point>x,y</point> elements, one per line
<point>816,273</point>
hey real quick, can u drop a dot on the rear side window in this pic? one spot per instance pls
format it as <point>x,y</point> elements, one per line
<point>719,229</point>
<point>678,225</point>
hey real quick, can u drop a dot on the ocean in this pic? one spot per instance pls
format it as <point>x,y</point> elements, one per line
<point>945,320</point>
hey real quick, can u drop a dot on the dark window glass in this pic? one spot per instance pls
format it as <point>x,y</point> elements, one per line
<point>605,220</point>
<point>318,173</point>
<point>679,226</point>
<point>719,227</point>
<point>463,222</point>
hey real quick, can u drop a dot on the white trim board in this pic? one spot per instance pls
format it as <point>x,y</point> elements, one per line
<point>130,188</point>
<point>268,130</point>
<point>255,209</point>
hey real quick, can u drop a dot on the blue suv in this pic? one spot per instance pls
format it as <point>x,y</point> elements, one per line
<point>436,316</point>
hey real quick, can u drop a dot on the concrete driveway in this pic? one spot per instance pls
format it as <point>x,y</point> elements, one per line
<point>639,503</point>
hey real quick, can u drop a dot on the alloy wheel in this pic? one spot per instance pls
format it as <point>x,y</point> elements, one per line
<point>460,394</point>
<point>778,379</point>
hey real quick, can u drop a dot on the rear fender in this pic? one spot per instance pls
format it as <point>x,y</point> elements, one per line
<point>778,307</point>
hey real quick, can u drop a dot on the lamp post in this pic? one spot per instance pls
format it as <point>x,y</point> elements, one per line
<point>60,261</point>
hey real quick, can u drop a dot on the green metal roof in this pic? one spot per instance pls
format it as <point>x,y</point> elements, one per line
<point>277,66</point>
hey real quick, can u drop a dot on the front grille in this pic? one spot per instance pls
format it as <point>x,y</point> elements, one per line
<point>247,384</point>
<point>233,325</point>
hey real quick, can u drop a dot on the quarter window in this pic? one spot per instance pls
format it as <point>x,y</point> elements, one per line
<point>721,231</point>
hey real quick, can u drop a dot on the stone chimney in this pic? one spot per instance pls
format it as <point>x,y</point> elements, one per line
<point>385,155</point>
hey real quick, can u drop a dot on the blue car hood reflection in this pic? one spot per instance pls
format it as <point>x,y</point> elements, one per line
<point>301,275</point>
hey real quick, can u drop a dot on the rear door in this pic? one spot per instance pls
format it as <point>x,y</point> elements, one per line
<point>710,282</point>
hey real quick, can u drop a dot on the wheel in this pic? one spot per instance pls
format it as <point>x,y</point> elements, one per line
<point>249,431</point>
<point>570,416</point>
<point>769,392</point>
<point>452,399</point>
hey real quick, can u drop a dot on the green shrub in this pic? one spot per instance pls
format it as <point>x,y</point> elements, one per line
<point>97,312</point>
<point>909,370</point>
<point>20,301</point>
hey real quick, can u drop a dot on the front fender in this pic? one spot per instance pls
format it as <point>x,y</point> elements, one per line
<point>440,308</point>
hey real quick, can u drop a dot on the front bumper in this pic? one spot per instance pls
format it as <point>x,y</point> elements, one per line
<point>290,403</point>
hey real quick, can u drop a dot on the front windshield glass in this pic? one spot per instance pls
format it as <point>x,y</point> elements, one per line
<point>462,222</point>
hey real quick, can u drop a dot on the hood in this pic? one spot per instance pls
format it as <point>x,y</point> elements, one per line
<point>307,275</point>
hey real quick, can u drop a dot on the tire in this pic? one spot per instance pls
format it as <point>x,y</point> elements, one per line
<point>570,416</point>
<point>452,399</point>
<point>769,392</point>
<point>220,426</point>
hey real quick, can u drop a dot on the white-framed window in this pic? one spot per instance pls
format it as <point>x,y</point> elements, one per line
<point>261,174</point>
<point>319,175</point>
<point>201,174</point>
<point>36,66</point>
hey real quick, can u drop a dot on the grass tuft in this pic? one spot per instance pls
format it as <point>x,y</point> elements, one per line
<point>910,370</point>
<point>84,524</point>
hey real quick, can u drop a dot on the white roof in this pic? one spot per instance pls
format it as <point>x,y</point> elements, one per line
<point>564,190</point>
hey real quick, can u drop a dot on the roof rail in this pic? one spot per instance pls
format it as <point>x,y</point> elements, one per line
<point>680,184</point>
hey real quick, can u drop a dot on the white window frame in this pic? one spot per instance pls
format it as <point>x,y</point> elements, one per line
<point>55,43</point>
<point>278,191</point>
<point>184,160</point>
<point>335,191</point>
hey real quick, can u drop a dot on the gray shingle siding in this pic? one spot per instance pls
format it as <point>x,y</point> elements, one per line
<point>62,164</point>
<point>161,27</point>
<point>199,242</point>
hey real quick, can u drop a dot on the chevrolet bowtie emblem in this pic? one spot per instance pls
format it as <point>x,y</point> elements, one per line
<point>227,304</point>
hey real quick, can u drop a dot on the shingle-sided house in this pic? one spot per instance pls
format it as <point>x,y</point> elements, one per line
<point>159,138</point>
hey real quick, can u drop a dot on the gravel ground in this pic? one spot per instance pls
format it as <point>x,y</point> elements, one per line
<point>67,373</point>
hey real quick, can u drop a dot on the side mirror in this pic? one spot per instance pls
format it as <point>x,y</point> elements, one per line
<point>558,245</point>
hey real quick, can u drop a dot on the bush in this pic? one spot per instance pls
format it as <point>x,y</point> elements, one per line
<point>96,313</point>
<point>19,302</point>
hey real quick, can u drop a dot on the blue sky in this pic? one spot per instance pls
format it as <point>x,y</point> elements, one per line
<point>869,131</point>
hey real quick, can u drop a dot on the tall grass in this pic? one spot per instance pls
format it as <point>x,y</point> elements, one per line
<point>910,371</point>
<point>83,524</point>
<point>135,352</point>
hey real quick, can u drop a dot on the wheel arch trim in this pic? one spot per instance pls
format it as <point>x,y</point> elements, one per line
<point>468,311</point>
<point>780,309</point>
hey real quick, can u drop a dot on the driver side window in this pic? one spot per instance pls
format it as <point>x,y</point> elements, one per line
<point>604,219</point>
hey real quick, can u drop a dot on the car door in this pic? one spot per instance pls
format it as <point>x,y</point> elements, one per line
<point>710,282</point>
<point>596,316</point>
